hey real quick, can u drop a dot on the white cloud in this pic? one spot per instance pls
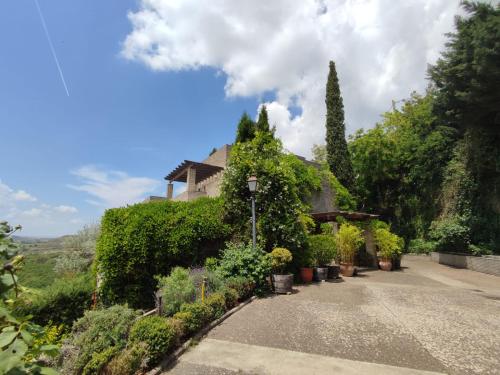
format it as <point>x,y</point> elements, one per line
<point>36,218</point>
<point>21,195</point>
<point>66,209</point>
<point>112,188</point>
<point>381,49</point>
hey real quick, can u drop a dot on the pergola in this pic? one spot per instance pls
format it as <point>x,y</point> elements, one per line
<point>190,172</point>
<point>370,258</point>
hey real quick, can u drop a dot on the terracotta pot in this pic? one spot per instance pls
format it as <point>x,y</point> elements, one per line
<point>347,269</point>
<point>320,273</point>
<point>385,264</point>
<point>282,283</point>
<point>306,274</point>
<point>333,272</point>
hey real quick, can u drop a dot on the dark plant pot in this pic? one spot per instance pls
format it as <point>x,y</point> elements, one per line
<point>306,274</point>
<point>396,262</point>
<point>320,273</point>
<point>385,264</point>
<point>347,269</point>
<point>282,283</point>
<point>333,272</point>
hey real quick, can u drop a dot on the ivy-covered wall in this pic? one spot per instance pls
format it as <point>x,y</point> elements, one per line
<point>148,239</point>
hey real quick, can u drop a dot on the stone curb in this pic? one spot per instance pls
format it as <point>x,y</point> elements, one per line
<point>179,351</point>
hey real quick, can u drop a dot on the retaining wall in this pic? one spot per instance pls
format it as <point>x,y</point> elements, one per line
<point>486,264</point>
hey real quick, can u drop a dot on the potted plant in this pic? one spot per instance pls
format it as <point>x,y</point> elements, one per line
<point>389,247</point>
<point>323,251</point>
<point>282,281</point>
<point>306,269</point>
<point>348,238</point>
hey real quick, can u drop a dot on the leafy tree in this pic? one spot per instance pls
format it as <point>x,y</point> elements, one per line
<point>336,145</point>
<point>246,129</point>
<point>400,163</point>
<point>263,121</point>
<point>284,183</point>
<point>467,81</point>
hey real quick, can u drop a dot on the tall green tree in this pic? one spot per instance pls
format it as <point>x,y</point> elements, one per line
<point>263,121</point>
<point>336,144</point>
<point>246,129</point>
<point>467,81</point>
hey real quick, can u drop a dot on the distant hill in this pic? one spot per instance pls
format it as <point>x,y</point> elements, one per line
<point>41,244</point>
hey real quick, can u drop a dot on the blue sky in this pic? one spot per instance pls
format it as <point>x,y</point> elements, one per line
<point>154,82</point>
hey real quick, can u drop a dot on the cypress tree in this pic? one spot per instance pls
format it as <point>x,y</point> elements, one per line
<point>336,145</point>
<point>246,129</point>
<point>263,121</point>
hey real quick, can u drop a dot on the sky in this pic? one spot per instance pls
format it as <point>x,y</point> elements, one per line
<point>106,99</point>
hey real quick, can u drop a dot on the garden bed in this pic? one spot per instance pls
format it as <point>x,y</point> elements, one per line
<point>489,264</point>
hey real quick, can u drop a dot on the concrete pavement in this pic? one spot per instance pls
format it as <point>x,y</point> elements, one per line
<point>427,318</point>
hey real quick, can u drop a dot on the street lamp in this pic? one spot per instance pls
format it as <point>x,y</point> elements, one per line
<point>252,186</point>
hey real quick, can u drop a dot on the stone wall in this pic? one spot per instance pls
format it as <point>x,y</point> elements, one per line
<point>486,264</point>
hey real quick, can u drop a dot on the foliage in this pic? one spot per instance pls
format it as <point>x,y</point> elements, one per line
<point>95,332</point>
<point>176,289</point>
<point>246,129</point>
<point>399,166</point>
<point>20,340</point>
<point>194,316</point>
<point>158,335</point>
<point>280,258</point>
<point>284,182</point>
<point>217,303</point>
<point>421,246</point>
<point>213,281</point>
<point>79,250</point>
<point>388,244</point>
<point>263,121</point>
<point>37,269</point>
<point>450,234</point>
<point>99,360</point>
<point>62,302</point>
<point>239,259</point>
<point>140,241</point>
<point>466,79</point>
<point>348,239</point>
<point>211,264</point>
<point>479,250</point>
<point>128,362</point>
<point>336,145</point>
<point>230,297</point>
<point>323,248</point>
<point>326,228</point>
<point>343,199</point>
<point>244,286</point>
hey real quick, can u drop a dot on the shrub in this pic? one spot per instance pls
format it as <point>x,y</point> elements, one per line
<point>147,239</point>
<point>388,243</point>
<point>348,239</point>
<point>211,264</point>
<point>450,234</point>
<point>217,303</point>
<point>230,296</point>
<point>244,260</point>
<point>95,332</point>
<point>62,302</point>
<point>194,316</point>
<point>128,362</point>
<point>326,228</point>
<point>213,281</point>
<point>322,249</point>
<point>99,360</point>
<point>479,250</point>
<point>158,335</point>
<point>244,286</point>
<point>421,246</point>
<point>280,258</point>
<point>176,289</point>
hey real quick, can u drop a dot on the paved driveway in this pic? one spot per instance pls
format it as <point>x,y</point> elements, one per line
<point>427,318</point>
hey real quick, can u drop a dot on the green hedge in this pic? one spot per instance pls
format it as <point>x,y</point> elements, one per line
<point>147,239</point>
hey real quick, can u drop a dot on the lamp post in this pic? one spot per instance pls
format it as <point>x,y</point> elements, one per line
<point>252,186</point>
